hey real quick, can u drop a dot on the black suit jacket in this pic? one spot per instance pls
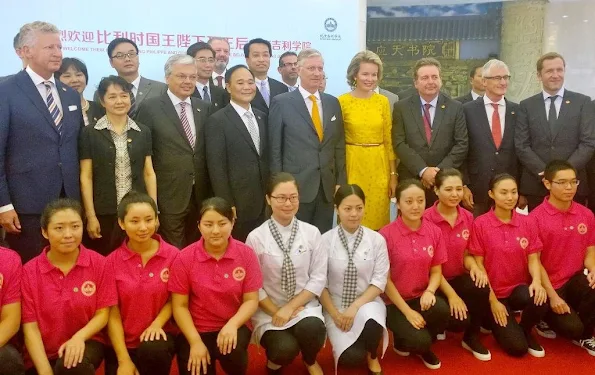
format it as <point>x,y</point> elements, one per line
<point>573,140</point>
<point>275,87</point>
<point>180,169</point>
<point>465,98</point>
<point>95,112</point>
<point>219,97</point>
<point>484,160</point>
<point>448,146</point>
<point>237,171</point>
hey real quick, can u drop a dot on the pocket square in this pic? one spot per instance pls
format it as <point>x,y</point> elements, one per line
<point>333,118</point>
<point>72,108</point>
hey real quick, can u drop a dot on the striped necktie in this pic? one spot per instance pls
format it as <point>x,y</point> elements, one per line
<point>53,106</point>
<point>186,125</point>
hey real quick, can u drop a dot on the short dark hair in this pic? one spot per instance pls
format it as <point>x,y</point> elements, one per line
<point>443,174</point>
<point>279,178</point>
<point>426,61</point>
<point>78,65</point>
<point>230,71</point>
<point>217,204</point>
<point>197,47</point>
<point>556,166</point>
<point>16,42</point>
<point>406,185</point>
<point>284,55</point>
<point>55,206</point>
<point>345,191</point>
<point>499,178</point>
<point>116,42</point>
<point>134,197</point>
<point>256,41</point>
<point>106,82</point>
<point>473,70</point>
<point>548,56</point>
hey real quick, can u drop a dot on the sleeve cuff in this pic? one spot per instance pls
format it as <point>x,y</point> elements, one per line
<point>6,208</point>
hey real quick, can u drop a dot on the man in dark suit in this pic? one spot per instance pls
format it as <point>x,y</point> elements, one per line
<point>204,55</point>
<point>124,58</point>
<point>429,131</point>
<point>237,154</point>
<point>491,121</point>
<point>307,139</point>
<point>221,47</point>
<point>258,58</point>
<point>477,85</point>
<point>288,70</point>
<point>564,131</point>
<point>177,122</point>
<point>40,119</point>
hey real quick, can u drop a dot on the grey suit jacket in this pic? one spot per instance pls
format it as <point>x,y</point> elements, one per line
<point>147,88</point>
<point>573,140</point>
<point>449,143</point>
<point>465,98</point>
<point>295,147</point>
<point>178,166</point>
<point>392,98</point>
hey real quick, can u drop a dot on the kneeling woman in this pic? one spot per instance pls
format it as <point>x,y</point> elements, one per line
<point>464,284</point>
<point>506,245</point>
<point>139,327</point>
<point>357,270</point>
<point>294,266</point>
<point>214,284</point>
<point>67,293</point>
<point>416,251</point>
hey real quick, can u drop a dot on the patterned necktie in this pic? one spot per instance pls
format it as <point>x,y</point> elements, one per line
<point>428,122</point>
<point>205,94</point>
<point>496,126</point>
<point>316,117</point>
<point>287,269</point>
<point>132,110</point>
<point>264,91</point>
<point>350,278</point>
<point>552,116</point>
<point>253,130</point>
<point>219,80</point>
<point>186,125</point>
<point>53,106</point>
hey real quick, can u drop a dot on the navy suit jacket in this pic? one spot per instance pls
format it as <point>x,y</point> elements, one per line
<point>36,162</point>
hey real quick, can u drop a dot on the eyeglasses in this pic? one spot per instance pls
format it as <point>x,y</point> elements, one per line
<point>564,183</point>
<point>290,65</point>
<point>203,60</point>
<point>184,77</point>
<point>499,78</point>
<point>122,56</point>
<point>282,199</point>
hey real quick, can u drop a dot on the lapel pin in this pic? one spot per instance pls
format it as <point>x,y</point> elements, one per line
<point>216,104</point>
<point>197,109</point>
<point>568,102</point>
<point>512,113</point>
<point>129,140</point>
<point>63,88</point>
<point>140,93</point>
<point>442,106</point>
<point>260,118</point>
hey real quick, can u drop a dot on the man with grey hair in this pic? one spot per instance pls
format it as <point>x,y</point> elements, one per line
<point>221,48</point>
<point>39,125</point>
<point>491,125</point>
<point>177,122</point>
<point>307,139</point>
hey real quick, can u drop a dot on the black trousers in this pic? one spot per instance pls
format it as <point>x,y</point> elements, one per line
<point>579,324</point>
<point>234,363</point>
<point>150,358</point>
<point>367,342</point>
<point>476,300</point>
<point>11,361</point>
<point>29,242</point>
<point>241,229</point>
<point>307,336</point>
<point>111,235</point>
<point>94,352</point>
<point>319,212</point>
<point>181,229</point>
<point>408,338</point>
<point>512,338</point>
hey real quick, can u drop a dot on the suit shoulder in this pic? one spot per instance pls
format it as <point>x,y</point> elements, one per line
<point>329,97</point>
<point>258,112</point>
<point>153,82</point>
<point>201,104</point>
<point>151,101</point>
<point>274,82</point>
<point>531,99</point>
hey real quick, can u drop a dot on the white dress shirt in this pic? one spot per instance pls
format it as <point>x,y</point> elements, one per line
<point>309,104</point>
<point>501,111</point>
<point>200,87</point>
<point>557,102</point>
<point>215,75</point>
<point>135,85</point>
<point>242,112</point>
<point>189,111</point>
<point>475,95</point>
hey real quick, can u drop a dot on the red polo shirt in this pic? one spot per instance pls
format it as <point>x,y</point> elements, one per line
<point>412,254</point>
<point>505,248</point>
<point>565,236</point>
<point>63,304</point>
<point>142,291</point>
<point>215,288</point>
<point>456,239</point>
<point>10,277</point>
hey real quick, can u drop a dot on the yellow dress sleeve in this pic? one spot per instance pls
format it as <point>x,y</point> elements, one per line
<point>387,127</point>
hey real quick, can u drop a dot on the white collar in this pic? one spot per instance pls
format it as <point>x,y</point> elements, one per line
<point>215,75</point>
<point>175,100</point>
<point>240,110</point>
<point>201,86</point>
<point>560,93</point>
<point>136,82</point>
<point>37,79</point>
<point>258,81</point>
<point>488,101</point>
<point>377,90</point>
<point>475,95</point>
<point>306,94</point>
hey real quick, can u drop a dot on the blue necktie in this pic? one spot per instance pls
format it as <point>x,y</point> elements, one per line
<point>205,94</point>
<point>264,91</point>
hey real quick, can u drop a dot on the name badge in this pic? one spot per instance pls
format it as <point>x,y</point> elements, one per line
<point>72,108</point>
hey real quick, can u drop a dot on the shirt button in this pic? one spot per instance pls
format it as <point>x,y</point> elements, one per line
<point>226,276</point>
<point>61,277</point>
<point>139,266</point>
<point>75,289</point>
<point>151,274</point>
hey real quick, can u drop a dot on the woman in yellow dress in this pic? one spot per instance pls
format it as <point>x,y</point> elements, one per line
<point>369,156</point>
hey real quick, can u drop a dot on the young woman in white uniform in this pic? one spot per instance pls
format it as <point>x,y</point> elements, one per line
<point>358,266</point>
<point>294,265</point>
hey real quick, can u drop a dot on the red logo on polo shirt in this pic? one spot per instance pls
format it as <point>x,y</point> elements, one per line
<point>239,273</point>
<point>88,288</point>
<point>164,275</point>
<point>1,280</point>
<point>524,242</point>
<point>582,228</point>
<point>465,234</point>
<point>430,250</point>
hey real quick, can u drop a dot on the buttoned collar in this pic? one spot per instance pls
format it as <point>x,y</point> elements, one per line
<point>83,260</point>
<point>514,220</point>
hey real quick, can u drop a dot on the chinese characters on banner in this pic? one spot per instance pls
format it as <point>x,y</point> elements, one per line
<point>441,50</point>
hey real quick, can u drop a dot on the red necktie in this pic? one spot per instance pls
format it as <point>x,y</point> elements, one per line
<point>496,126</point>
<point>428,122</point>
<point>219,81</point>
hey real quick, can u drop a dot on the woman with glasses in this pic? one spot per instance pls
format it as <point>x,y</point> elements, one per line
<point>294,266</point>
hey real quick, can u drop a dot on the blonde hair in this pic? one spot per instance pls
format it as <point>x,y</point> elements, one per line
<point>28,32</point>
<point>356,62</point>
